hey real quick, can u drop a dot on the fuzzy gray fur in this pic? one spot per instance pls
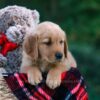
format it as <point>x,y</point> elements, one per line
<point>15,22</point>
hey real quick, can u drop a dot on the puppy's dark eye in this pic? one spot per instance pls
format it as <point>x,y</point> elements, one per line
<point>61,42</point>
<point>48,43</point>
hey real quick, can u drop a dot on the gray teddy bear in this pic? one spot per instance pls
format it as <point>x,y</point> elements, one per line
<point>15,22</point>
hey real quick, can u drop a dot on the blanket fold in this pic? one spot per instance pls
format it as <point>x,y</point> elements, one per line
<point>71,88</point>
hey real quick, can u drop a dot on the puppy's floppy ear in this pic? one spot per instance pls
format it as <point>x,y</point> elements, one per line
<point>65,47</point>
<point>30,46</point>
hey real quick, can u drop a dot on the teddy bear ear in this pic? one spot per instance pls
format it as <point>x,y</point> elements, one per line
<point>36,16</point>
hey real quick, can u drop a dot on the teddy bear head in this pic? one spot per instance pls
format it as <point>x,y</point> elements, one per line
<point>16,21</point>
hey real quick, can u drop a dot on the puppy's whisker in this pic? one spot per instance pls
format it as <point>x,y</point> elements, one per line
<point>49,61</point>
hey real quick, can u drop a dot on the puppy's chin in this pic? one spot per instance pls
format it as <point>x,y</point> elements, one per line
<point>53,61</point>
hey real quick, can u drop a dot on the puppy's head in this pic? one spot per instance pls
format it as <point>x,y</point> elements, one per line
<point>48,43</point>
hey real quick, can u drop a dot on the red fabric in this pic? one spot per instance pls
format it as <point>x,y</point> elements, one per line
<point>6,45</point>
<point>72,87</point>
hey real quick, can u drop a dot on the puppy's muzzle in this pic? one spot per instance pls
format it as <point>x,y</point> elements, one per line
<point>58,56</point>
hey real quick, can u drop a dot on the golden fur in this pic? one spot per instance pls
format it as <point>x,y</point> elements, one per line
<point>39,51</point>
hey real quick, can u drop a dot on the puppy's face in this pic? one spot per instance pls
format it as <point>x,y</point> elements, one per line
<point>51,46</point>
<point>48,44</point>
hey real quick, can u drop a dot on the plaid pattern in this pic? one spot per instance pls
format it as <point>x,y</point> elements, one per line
<point>71,88</point>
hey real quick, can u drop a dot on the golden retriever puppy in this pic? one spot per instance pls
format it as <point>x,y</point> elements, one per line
<point>46,51</point>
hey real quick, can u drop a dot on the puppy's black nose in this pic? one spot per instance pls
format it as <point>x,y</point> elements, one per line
<point>58,55</point>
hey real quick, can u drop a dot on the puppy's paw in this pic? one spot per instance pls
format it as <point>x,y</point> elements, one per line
<point>53,80</point>
<point>34,76</point>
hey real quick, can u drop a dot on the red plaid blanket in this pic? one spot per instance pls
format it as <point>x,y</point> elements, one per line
<point>71,88</point>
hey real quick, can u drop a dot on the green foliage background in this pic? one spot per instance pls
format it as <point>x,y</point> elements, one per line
<point>81,21</point>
